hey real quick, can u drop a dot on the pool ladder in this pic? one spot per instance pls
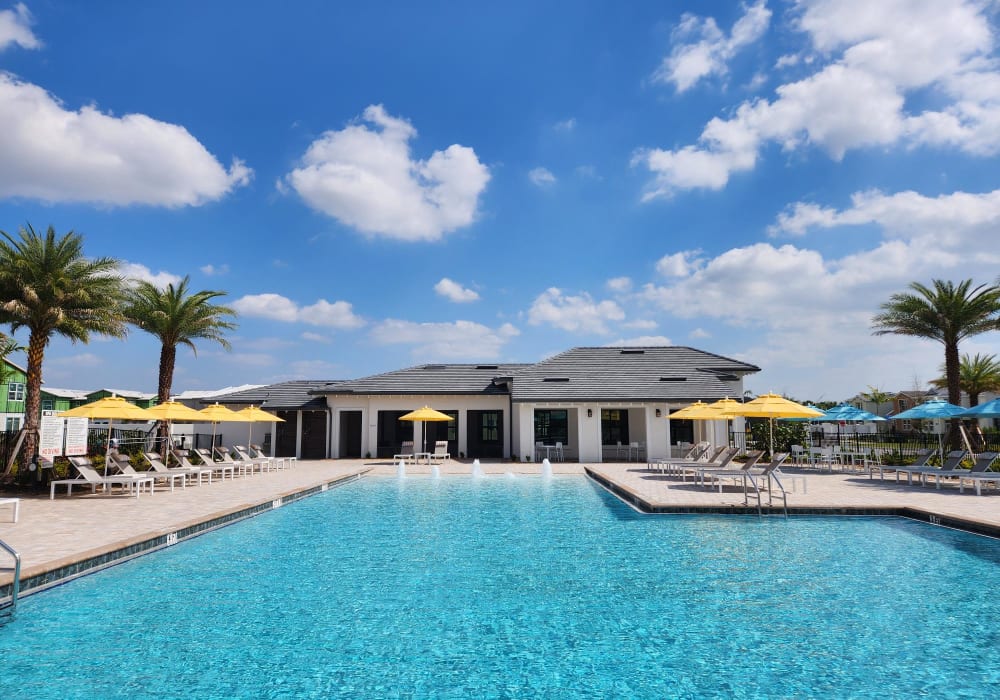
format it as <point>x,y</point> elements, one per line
<point>7,607</point>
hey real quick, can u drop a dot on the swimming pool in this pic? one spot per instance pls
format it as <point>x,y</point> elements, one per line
<point>504,588</point>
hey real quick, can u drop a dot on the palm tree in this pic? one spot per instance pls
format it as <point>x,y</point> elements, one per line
<point>977,374</point>
<point>877,397</point>
<point>948,313</point>
<point>49,287</point>
<point>177,317</point>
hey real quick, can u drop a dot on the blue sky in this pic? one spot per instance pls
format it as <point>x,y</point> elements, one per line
<point>395,183</point>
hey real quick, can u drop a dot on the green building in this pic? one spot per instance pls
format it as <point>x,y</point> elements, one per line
<point>12,391</point>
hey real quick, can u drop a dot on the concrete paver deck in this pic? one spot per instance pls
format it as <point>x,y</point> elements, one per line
<point>56,533</point>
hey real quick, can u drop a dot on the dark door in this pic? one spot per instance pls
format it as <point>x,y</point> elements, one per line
<point>313,435</point>
<point>350,434</point>
<point>392,432</point>
<point>284,434</point>
<point>681,431</point>
<point>442,430</point>
<point>485,434</point>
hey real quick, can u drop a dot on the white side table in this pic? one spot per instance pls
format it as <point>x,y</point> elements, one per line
<point>16,502</point>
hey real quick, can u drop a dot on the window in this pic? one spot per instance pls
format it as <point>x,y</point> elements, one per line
<point>902,405</point>
<point>48,405</point>
<point>15,391</point>
<point>614,426</point>
<point>490,426</point>
<point>13,423</point>
<point>552,426</point>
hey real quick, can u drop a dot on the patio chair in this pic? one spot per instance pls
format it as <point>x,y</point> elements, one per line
<point>405,452</point>
<point>202,469</point>
<point>717,475</point>
<point>696,453</point>
<point>265,463</point>
<point>205,455</point>
<point>951,463</point>
<point>798,454</point>
<point>981,476</point>
<point>124,466</point>
<point>923,457</point>
<point>982,464</point>
<point>90,477</point>
<point>224,456</point>
<point>157,464</point>
<point>440,450</point>
<point>720,460</point>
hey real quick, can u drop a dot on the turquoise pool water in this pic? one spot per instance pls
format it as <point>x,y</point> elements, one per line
<point>516,588</point>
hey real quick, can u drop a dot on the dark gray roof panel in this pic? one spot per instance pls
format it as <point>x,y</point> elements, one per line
<point>662,373</point>
<point>429,379</point>
<point>286,395</point>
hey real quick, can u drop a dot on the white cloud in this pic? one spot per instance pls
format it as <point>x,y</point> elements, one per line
<point>82,360</point>
<point>211,270</point>
<point>459,340</point>
<point>542,177</point>
<point>678,264</point>
<point>643,341</point>
<point>699,333</point>
<point>801,311</point>
<point>578,314</point>
<point>58,155</point>
<point>314,337</point>
<point>137,271</point>
<point>365,177</point>
<point>275,307</point>
<point>620,285</point>
<point>565,124</point>
<point>640,324</point>
<point>455,292</point>
<point>857,96</point>
<point>702,49</point>
<point>15,28</point>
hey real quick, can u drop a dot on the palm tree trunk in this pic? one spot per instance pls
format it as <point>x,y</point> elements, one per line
<point>33,396</point>
<point>952,373</point>
<point>168,356</point>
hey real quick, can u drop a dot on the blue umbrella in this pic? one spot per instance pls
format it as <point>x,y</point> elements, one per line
<point>990,409</point>
<point>935,408</point>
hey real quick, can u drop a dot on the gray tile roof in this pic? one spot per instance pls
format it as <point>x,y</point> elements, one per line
<point>662,373</point>
<point>286,395</point>
<point>430,379</point>
<point>671,373</point>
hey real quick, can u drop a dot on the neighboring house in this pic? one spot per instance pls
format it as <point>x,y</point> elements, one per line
<point>62,399</point>
<point>904,401</point>
<point>588,398</point>
<point>139,398</point>
<point>12,396</point>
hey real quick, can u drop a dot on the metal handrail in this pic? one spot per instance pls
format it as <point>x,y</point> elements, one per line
<point>16,585</point>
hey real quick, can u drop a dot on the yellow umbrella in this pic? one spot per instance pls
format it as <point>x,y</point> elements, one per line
<point>425,414</point>
<point>772,406</point>
<point>217,413</point>
<point>169,411</point>
<point>110,407</point>
<point>257,415</point>
<point>699,410</point>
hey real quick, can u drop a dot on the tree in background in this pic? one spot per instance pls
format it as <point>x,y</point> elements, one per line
<point>876,396</point>
<point>977,374</point>
<point>48,287</point>
<point>177,316</point>
<point>947,313</point>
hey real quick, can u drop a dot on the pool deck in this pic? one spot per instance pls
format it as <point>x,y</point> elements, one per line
<point>71,536</point>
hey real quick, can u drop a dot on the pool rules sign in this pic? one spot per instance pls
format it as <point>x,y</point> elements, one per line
<point>58,432</point>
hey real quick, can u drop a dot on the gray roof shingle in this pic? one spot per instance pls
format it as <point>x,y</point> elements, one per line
<point>291,395</point>
<point>429,379</point>
<point>661,373</point>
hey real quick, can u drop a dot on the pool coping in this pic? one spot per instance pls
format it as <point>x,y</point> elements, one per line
<point>633,499</point>
<point>44,576</point>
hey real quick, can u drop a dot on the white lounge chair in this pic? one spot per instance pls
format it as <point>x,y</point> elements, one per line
<point>717,475</point>
<point>951,463</point>
<point>181,456</point>
<point>90,477</point>
<point>205,455</point>
<point>265,463</point>
<point>224,456</point>
<point>981,476</point>
<point>720,460</point>
<point>440,451</point>
<point>192,472</point>
<point>124,466</point>
<point>405,452</point>
<point>923,457</point>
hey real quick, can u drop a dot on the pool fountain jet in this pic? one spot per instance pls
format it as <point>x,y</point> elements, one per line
<point>401,469</point>
<point>435,472</point>
<point>477,470</point>
<point>546,469</point>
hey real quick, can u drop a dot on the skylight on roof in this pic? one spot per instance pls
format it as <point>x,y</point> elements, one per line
<point>555,379</point>
<point>487,367</point>
<point>673,379</point>
<point>633,351</point>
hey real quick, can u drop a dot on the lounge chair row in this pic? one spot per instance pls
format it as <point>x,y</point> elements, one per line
<point>978,475</point>
<point>137,481</point>
<point>406,452</point>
